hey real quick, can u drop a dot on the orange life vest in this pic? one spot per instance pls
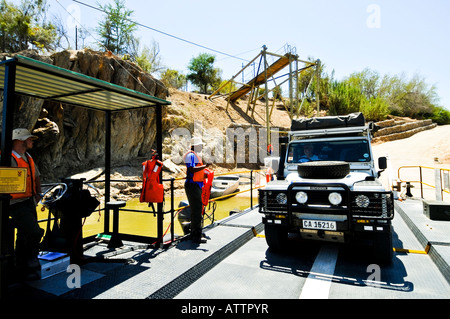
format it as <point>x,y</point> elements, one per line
<point>200,175</point>
<point>31,176</point>
<point>152,189</point>
<point>206,190</point>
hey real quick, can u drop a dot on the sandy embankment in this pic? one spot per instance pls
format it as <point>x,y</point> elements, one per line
<point>428,149</point>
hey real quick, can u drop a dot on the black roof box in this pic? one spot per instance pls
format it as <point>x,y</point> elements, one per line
<point>316,123</point>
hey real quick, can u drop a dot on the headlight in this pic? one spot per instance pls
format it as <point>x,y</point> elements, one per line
<point>335,198</point>
<point>282,199</point>
<point>301,197</point>
<point>362,201</point>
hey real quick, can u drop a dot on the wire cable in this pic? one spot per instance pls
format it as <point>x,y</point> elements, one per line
<point>118,62</point>
<point>165,33</point>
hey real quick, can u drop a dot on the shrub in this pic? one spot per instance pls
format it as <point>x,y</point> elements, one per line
<point>374,109</point>
<point>440,115</point>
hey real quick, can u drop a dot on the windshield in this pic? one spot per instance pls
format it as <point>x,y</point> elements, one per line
<point>347,151</point>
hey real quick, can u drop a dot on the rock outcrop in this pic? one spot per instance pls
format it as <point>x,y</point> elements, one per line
<point>72,139</point>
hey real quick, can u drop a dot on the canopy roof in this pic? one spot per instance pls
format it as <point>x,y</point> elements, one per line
<point>42,80</point>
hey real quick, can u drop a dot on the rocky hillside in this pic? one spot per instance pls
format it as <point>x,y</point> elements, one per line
<point>71,139</point>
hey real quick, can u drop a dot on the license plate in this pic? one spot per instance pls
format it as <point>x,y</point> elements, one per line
<point>319,224</point>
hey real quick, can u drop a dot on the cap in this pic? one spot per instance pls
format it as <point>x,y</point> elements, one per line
<point>22,134</point>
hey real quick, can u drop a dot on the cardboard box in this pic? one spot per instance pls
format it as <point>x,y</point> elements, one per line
<point>53,263</point>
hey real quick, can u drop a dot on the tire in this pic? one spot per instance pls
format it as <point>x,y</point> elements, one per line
<point>323,170</point>
<point>276,237</point>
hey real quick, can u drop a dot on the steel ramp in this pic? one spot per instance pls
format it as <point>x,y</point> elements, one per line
<point>277,66</point>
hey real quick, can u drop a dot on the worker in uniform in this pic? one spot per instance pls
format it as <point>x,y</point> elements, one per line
<point>193,186</point>
<point>23,207</point>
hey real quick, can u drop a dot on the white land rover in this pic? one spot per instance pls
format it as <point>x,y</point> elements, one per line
<point>327,187</point>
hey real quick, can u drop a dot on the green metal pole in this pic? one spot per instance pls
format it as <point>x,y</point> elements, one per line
<point>266,96</point>
<point>107,169</point>
<point>6,148</point>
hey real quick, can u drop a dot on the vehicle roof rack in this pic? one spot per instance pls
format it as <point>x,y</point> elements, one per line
<point>314,123</point>
<point>357,130</point>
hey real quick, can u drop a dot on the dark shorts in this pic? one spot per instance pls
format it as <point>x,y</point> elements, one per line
<point>194,196</point>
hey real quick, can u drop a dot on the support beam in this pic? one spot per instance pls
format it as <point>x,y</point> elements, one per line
<point>291,87</point>
<point>159,150</point>
<point>318,86</point>
<point>232,79</point>
<point>8,113</point>
<point>107,168</point>
<point>266,89</point>
<point>6,148</point>
<point>296,85</point>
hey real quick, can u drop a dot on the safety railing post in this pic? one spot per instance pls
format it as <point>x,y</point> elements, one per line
<point>421,182</point>
<point>251,189</point>
<point>107,195</point>
<point>172,210</point>
<point>438,184</point>
<point>441,180</point>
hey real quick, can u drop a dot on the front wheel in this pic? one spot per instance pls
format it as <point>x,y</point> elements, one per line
<point>276,237</point>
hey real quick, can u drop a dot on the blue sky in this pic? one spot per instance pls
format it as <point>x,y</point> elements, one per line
<point>387,36</point>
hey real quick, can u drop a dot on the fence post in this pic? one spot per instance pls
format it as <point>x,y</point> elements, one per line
<point>172,209</point>
<point>421,185</point>
<point>438,183</point>
<point>251,189</point>
<point>446,176</point>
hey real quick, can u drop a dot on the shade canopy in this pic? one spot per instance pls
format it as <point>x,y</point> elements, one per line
<point>24,76</point>
<point>45,81</point>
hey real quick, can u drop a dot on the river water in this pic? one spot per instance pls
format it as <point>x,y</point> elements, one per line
<point>145,223</point>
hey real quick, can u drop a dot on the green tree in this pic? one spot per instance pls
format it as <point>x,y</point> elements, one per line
<point>173,79</point>
<point>149,59</point>
<point>374,108</point>
<point>116,31</point>
<point>377,96</point>
<point>440,115</point>
<point>412,98</point>
<point>366,81</point>
<point>203,74</point>
<point>229,87</point>
<point>343,97</point>
<point>23,27</point>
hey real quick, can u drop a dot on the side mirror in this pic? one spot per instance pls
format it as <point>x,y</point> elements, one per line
<point>382,163</point>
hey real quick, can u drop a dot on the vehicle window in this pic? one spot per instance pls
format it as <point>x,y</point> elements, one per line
<point>347,151</point>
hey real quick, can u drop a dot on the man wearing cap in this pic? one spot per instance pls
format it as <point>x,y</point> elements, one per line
<point>23,206</point>
<point>193,187</point>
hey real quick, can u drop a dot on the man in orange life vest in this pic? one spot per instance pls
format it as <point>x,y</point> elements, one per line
<point>23,206</point>
<point>193,187</point>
